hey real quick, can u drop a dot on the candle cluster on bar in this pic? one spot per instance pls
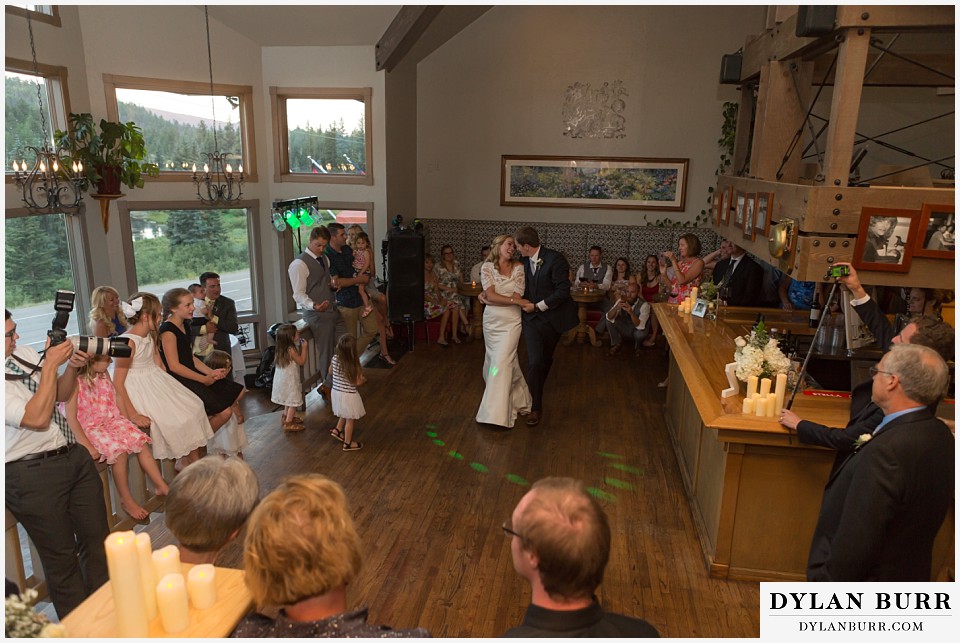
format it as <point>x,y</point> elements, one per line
<point>148,583</point>
<point>763,403</point>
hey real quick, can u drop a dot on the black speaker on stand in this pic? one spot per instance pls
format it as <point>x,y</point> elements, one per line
<point>405,250</point>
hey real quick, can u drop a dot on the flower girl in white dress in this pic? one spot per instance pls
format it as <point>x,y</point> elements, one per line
<point>154,400</point>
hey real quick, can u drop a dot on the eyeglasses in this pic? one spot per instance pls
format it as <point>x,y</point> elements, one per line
<point>874,370</point>
<point>12,332</point>
<point>507,531</point>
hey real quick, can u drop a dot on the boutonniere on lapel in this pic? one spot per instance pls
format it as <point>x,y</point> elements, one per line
<point>538,262</point>
<point>863,439</point>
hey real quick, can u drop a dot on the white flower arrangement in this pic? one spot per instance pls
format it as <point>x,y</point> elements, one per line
<point>24,622</point>
<point>759,355</point>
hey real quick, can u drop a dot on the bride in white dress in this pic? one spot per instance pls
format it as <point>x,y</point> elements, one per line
<point>506,393</point>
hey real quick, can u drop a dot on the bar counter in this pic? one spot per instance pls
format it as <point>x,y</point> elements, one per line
<point>754,490</point>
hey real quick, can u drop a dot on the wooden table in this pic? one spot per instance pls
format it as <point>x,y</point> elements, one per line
<point>473,290</point>
<point>754,490</point>
<point>94,618</point>
<point>584,298</point>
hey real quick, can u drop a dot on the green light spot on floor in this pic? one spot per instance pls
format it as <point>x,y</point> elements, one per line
<point>626,467</point>
<point>515,479</point>
<point>476,466</point>
<point>601,494</point>
<point>613,456</point>
<point>455,455</point>
<point>439,443</point>
<point>619,484</point>
<point>493,371</point>
<point>431,426</point>
<point>432,434</point>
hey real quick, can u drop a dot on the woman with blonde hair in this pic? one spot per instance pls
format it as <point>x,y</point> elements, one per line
<point>106,318</point>
<point>506,393</point>
<point>300,553</point>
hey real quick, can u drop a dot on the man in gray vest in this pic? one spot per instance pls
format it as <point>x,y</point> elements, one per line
<point>310,278</point>
<point>595,275</point>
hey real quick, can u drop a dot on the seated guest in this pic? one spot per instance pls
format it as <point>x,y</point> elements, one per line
<point>208,504</point>
<point>710,261</point>
<point>221,319</point>
<point>300,553</point>
<point>594,272</point>
<point>681,272</point>
<point>560,542</point>
<point>883,506</point>
<point>650,284</point>
<point>475,271</point>
<point>627,317</point>
<point>106,318</point>
<point>796,295</point>
<point>738,278</point>
<point>927,301</point>
<point>621,277</point>
<point>448,272</point>
<point>434,305</point>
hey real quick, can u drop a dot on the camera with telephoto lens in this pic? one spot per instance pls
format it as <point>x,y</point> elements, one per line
<point>835,272</point>
<point>63,305</point>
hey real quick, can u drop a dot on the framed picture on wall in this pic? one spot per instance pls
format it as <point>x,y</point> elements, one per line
<point>726,199</point>
<point>886,239</point>
<point>749,215</point>
<point>764,210</point>
<point>593,182</point>
<point>715,208</point>
<point>937,232</point>
<point>739,208</point>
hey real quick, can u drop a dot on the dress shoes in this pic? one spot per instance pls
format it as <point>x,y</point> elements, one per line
<point>533,418</point>
<point>614,350</point>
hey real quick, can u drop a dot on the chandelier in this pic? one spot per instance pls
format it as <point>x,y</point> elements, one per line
<point>53,181</point>
<point>218,183</point>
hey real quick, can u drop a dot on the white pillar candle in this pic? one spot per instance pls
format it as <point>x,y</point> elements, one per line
<point>124,569</point>
<point>752,386</point>
<point>201,586</point>
<point>771,406</point>
<point>780,391</point>
<point>166,561</point>
<point>747,405</point>
<point>760,406</point>
<point>172,603</point>
<point>148,580</point>
<point>765,386</point>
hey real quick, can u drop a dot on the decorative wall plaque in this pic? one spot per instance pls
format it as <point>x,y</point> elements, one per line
<point>594,113</point>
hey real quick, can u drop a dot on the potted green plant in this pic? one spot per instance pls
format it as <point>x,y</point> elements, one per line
<point>111,157</point>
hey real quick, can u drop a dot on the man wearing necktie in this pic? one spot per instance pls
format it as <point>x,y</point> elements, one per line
<point>883,507</point>
<point>52,485</point>
<point>740,278</point>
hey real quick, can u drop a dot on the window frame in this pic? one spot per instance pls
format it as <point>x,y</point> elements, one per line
<point>78,245</point>
<point>52,18</point>
<point>58,93</point>
<point>281,146</point>
<point>287,255</point>
<point>256,316</point>
<point>111,82</point>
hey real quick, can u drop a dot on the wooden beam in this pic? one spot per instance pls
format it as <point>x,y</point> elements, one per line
<point>896,72</point>
<point>403,32</point>
<point>895,16</point>
<point>845,105</point>
<point>741,144</point>
<point>780,113</point>
<point>779,43</point>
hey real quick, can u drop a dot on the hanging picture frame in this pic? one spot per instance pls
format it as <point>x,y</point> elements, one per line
<point>739,208</point>
<point>749,215</point>
<point>937,232</point>
<point>885,239</point>
<point>764,211</point>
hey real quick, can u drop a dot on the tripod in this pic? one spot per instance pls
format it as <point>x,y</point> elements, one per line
<point>806,359</point>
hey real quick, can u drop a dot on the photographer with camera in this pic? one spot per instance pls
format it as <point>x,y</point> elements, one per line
<point>52,486</point>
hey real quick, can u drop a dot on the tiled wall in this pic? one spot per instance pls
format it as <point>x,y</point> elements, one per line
<point>573,240</point>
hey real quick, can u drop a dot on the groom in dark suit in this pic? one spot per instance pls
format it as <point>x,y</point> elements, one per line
<point>548,313</point>
<point>883,507</point>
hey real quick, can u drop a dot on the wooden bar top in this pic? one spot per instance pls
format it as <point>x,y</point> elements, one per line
<point>702,348</point>
<point>94,617</point>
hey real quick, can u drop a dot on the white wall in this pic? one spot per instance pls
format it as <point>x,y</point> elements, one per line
<point>498,87</point>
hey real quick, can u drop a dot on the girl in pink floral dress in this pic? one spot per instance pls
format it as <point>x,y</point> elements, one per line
<point>98,425</point>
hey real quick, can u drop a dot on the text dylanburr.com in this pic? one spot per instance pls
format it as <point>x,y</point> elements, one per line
<point>798,611</point>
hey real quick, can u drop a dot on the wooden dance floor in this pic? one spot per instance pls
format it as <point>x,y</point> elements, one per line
<point>431,488</point>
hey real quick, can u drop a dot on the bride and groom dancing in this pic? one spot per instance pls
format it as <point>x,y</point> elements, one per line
<point>533,295</point>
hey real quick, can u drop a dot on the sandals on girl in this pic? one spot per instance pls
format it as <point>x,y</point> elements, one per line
<point>337,433</point>
<point>352,446</point>
<point>389,360</point>
<point>292,427</point>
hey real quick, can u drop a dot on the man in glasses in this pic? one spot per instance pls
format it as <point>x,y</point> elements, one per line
<point>560,541</point>
<point>883,506</point>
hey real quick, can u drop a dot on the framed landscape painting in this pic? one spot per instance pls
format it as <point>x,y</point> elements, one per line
<point>593,182</point>
<point>937,234</point>
<point>886,239</point>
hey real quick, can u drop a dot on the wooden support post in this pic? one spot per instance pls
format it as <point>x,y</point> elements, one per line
<point>845,106</point>
<point>741,143</point>
<point>780,112</point>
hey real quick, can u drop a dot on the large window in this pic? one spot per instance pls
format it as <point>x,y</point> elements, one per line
<point>48,13</point>
<point>177,119</point>
<point>39,261</point>
<point>22,126</point>
<point>323,135</point>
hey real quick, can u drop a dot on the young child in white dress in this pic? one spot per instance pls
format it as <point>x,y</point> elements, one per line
<point>151,397</point>
<point>287,387</point>
<point>99,425</point>
<point>230,439</point>
<point>346,402</point>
